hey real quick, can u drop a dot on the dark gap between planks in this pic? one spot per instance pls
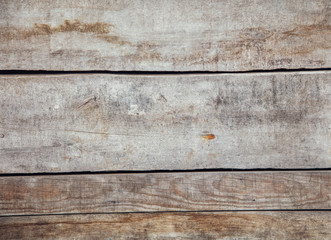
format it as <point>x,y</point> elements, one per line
<point>166,171</point>
<point>36,72</point>
<point>156,212</point>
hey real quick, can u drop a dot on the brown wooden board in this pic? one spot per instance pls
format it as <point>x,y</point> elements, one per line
<point>172,35</point>
<point>222,225</point>
<point>190,191</point>
<point>100,122</point>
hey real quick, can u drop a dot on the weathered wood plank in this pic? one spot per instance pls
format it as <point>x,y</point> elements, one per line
<point>98,122</point>
<point>165,192</point>
<point>226,225</point>
<point>172,35</point>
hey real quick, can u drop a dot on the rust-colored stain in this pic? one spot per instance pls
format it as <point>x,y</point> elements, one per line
<point>76,25</point>
<point>100,29</point>
<point>256,44</point>
<point>259,43</point>
<point>208,136</point>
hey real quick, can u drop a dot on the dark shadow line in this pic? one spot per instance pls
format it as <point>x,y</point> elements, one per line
<point>164,212</point>
<point>166,171</point>
<point>36,72</point>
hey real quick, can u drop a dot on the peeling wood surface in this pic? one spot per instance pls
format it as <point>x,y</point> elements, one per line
<point>230,225</point>
<point>191,191</point>
<point>173,35</point>
<point>99,122</point>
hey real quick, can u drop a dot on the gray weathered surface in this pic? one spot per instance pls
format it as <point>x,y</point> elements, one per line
<point>172,35</point>
<point>199,191</point>
<point>227,225</point>
<point>104,122</point>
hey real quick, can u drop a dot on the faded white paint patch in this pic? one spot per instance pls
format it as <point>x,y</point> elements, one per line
<point>134,110</point>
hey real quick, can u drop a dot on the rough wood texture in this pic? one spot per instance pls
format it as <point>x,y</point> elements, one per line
<point>98,122</point>
<point>231,225</point>
<point>165,192</point>
<point>172,35</point>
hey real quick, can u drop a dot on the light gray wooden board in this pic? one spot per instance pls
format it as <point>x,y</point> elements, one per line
<point>95,122</point>
<point>192,191</point>
<point>172,35</point>
<point>222,225</point>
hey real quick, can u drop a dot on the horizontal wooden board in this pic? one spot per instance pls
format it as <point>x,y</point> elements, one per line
<point>226,225</point>
<point>99,122</point>
<point>191,191</point>
<point>172,35</point>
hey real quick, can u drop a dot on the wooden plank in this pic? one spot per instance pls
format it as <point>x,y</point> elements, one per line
<point>99,122</point>
<point>192,191</point>
<point>172,35</point>
<point>226,225</point>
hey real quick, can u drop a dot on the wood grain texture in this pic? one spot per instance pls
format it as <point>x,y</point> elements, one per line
<point>98,122</point>
<point>173,35</point>
<point>165,192</point>
<point>229,225</point>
